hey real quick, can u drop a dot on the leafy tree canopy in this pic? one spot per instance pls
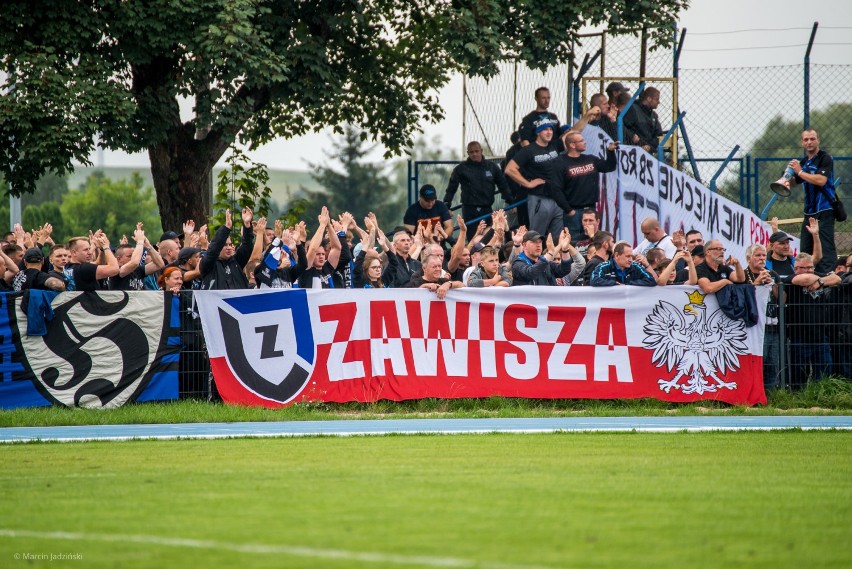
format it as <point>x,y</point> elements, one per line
<point>115,70</point>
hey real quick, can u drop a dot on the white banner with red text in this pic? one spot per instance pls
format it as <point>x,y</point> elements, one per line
<point>272,348</point>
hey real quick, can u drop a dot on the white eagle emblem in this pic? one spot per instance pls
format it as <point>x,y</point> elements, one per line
<point>699,347</point>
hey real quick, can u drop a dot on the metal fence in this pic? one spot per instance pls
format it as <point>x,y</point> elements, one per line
<point>760,109</point>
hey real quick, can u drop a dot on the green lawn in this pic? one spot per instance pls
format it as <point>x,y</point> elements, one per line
<point>777,499</point>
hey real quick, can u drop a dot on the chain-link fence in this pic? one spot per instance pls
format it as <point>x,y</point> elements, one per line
<point>759,109</point>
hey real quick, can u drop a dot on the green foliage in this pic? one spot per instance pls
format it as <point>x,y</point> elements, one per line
<point>114,206</point>
<point>34,216</point>
<point>244,183</point>
<point>359,187</point>
<point>257,70</point>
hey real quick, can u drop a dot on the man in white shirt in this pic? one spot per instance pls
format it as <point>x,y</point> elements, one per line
<point>655,237</point>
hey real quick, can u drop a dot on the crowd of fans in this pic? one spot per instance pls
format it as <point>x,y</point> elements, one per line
<point>427,251</point>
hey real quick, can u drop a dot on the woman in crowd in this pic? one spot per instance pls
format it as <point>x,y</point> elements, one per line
<point>171,279</point>
<point>372,270</point>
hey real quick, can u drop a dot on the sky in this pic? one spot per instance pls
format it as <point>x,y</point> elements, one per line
<point>720,34</point>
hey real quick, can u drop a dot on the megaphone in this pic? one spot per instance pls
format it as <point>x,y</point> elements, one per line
<point>781,186</point>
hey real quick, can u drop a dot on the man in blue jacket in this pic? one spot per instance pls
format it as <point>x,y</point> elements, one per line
<point>530,267</point>
<point>622,270</point>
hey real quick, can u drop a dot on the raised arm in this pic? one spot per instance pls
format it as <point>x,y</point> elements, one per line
<point>109,266</point>
<point>136,257</point>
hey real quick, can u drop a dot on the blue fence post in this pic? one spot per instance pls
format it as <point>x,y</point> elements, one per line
<point>746,180</point>
<point>668,135</point>
<point>696,174</point>
<point>722,168</point>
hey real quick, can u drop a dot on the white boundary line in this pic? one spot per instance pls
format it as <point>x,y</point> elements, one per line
<point>262,549</point>
<point>244,435</point>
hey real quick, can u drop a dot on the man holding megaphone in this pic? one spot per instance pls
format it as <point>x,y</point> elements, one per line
<point>816,173</point>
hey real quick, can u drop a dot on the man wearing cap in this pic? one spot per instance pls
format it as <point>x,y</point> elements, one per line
<point>714,273</point>
<point>531,267</point>
<point>683,268</point>
<point>531,122</point>
<point>428,210</point>
<point>815,171</point>
<point>533,168</point>
<point>188,261</point>
<point>479,180</point>
<point>578,177</point>
<point>32,276</point>
<point>135,263</point>
<point>169,236</point>
<point>780,258</point>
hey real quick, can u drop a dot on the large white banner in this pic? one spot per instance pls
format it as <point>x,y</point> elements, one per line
<point>272,348</point>
<point>643,187</point>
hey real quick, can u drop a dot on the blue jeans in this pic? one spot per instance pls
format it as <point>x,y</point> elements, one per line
<point>771,355</point>
<point>574,223</point>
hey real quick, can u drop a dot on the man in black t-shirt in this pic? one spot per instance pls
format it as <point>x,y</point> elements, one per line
<point>428,210</point>
<point>80,272</point>
<point>135,263</point>
<point>578,177</point>
<point>533,167</point>
<point>714,273</point>
<point>325,257</point>
<point>32,275</point>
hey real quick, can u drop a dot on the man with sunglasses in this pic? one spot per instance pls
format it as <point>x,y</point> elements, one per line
<point>715,272</point>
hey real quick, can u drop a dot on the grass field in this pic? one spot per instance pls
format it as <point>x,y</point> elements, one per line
<point>777,499</point>
<point>828,397</point>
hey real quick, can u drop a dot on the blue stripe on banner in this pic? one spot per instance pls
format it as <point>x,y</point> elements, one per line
<point>163,385</point>
<point>173,341</point>
<point>174,315</point>
<point>8,346</point>
<point>14,394</point>
<point>170,358</point>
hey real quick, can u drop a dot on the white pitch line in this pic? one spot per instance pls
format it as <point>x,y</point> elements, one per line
<point>241,435</point>
<point>262,549</point>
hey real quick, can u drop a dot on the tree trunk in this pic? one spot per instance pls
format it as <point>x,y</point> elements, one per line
<point>182,171</point>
